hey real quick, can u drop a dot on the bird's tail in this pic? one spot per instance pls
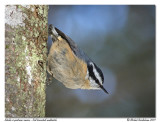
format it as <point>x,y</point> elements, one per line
<point>52,32</point>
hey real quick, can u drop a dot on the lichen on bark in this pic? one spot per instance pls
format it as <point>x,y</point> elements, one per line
<point>25,46</point>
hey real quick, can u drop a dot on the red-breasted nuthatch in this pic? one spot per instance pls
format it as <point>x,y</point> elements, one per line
<point>70,65</point>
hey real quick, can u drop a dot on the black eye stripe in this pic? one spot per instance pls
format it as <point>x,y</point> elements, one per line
<point>100,73</point>
<point>92,75</point>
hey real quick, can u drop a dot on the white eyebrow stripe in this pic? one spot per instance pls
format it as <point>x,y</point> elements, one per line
<point>96,73</point>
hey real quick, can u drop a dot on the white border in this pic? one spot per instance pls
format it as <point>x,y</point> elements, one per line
<point>108,2</point>
<point>82,2</point>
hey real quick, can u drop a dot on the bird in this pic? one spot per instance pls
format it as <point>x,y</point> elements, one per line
<point>68,63</point>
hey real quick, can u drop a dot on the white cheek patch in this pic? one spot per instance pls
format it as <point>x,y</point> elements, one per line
<point>93,84</point>
<point>96,73</point>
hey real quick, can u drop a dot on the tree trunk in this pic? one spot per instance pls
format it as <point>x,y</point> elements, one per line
<point>26,28</point>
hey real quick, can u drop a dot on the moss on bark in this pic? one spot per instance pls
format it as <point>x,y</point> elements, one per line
<point>26,36</point>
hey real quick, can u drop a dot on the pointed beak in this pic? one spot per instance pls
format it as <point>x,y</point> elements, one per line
<point>103,89</point>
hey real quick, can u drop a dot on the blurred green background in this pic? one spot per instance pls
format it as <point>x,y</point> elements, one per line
<point>121,41</point>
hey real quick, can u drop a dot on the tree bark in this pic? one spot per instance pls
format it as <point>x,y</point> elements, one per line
<point>26,33</point>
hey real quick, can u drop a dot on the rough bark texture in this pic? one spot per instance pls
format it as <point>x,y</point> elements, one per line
<point>25,60</point>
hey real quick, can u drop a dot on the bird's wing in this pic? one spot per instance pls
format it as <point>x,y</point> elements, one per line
<point>76,50</point>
